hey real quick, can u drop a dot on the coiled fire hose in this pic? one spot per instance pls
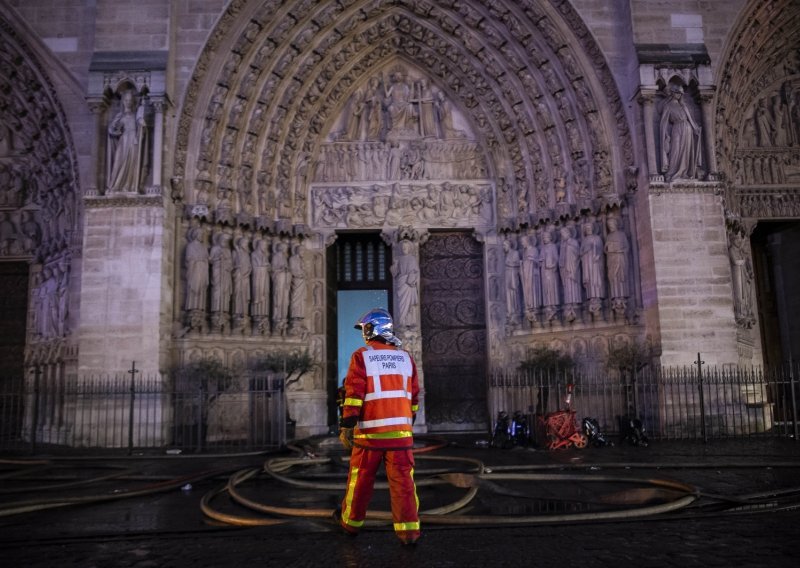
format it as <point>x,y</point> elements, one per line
<point>682,495</point>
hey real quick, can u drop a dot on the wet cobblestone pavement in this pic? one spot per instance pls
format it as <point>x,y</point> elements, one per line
<point>169,529</point>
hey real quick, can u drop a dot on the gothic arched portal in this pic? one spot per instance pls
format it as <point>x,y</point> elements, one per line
<point>310,117</point>
<point>39,204</point>
<point>758,144</point>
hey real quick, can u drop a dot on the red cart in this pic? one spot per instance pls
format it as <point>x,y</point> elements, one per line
<point>560,429</point>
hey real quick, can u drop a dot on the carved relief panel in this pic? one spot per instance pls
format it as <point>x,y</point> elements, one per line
<point>400,154</point>
<point>767,160</point>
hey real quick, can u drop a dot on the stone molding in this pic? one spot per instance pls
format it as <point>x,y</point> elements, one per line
<point>117,200</point>
<point>686,186</point>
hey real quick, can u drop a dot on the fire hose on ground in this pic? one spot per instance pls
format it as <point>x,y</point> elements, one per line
<point>472,475</point>
<point>674,495</point>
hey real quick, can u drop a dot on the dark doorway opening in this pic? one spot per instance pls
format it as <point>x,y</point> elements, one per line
<point>776,259</point>
<point>13,331</point>
<point>358,279</point>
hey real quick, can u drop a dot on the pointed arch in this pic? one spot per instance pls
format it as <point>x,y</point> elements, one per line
<point>763,54</point>
<point>528,77</point>
<point>38,153</point>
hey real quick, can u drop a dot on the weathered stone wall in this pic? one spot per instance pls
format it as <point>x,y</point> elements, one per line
<point>692,268</point>
<point>685,22</point>
<point>123,290</point>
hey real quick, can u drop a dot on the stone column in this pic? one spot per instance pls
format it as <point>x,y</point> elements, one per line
<point>158,145</point>
<point>647,100</point>
<point>97,106</point>
<point>706,100</point>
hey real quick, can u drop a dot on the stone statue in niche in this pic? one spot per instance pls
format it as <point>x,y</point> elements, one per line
<point>531,277</point>
<point>373,107</point>
<point>513,281</point>
<point>357,120</point>
<point>242,269</point>
<point>569,269</point>
<point>127,146</point>
<point>31,232</point>
<point>402,118</point>
<point>259,262</point>
<point>412,163</point>
<point>742,275</point>
<point>681,147</point>
<point>221,260</point>
<point>405,270</point>
<point>297,294</point>
<point>6,141</point>
<point>196,260</point>
<point>793,112</point>
<point>430,110</point>
<point>12,184</point>
<point>592,261</point>
<point>62,301</point>
<point>9,242</point>
<point>46,309</point>
<point>616,250</point>
<point>548,254</point>
<point>281,287</point>
<point>765,125</point>
<point>779,115</point>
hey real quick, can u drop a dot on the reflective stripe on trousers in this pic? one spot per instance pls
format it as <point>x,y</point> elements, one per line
<point>403,492</point>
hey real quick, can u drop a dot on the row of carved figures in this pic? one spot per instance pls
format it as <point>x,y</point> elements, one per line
<point>772,204</point>
<point>775,120</point>
<point>244,284</point>
<point>762,169</point>
<point>554,274</point>
<point>377,161</point>
<point>398,107</point>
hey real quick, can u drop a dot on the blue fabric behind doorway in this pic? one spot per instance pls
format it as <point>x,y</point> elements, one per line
<point>351,305</point>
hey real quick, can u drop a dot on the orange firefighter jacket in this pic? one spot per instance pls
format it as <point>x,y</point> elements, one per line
<point>382,391</point>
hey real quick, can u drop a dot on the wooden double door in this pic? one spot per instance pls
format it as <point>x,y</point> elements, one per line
<point>453,332</point>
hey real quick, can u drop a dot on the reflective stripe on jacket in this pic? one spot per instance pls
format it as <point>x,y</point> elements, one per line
<point>382,390</point>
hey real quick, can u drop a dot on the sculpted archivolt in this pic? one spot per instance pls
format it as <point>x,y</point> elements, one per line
<point>769,142</point>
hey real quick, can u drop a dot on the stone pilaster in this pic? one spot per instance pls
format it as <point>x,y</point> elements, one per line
<point>124,285</point>
<point>691,290</point>
<point>98,106</point>
<point>647,100</point>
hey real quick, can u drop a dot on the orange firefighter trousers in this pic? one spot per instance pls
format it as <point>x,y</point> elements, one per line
<point>399,464</point>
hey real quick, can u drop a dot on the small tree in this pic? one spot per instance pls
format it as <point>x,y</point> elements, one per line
<point>293,364</point>
<point>629,359</point>
<point>548,362</point>
<point>197,385</point>
<point>545,359</point>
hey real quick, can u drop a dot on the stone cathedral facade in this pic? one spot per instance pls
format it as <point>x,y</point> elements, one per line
<point>194,178</point>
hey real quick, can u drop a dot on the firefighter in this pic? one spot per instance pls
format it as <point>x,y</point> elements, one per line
<point>380,406</point>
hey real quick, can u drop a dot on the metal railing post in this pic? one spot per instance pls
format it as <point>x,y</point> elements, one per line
<point>132,372</point>
<point>699,364</point>
<point>794,400</point>
<point>37,372</point>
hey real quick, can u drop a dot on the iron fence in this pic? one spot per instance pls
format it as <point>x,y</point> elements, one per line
<point>141,413</point>
<point>672,403</point>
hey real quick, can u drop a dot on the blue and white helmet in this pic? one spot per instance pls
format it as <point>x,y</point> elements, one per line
<point>378,323</point>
